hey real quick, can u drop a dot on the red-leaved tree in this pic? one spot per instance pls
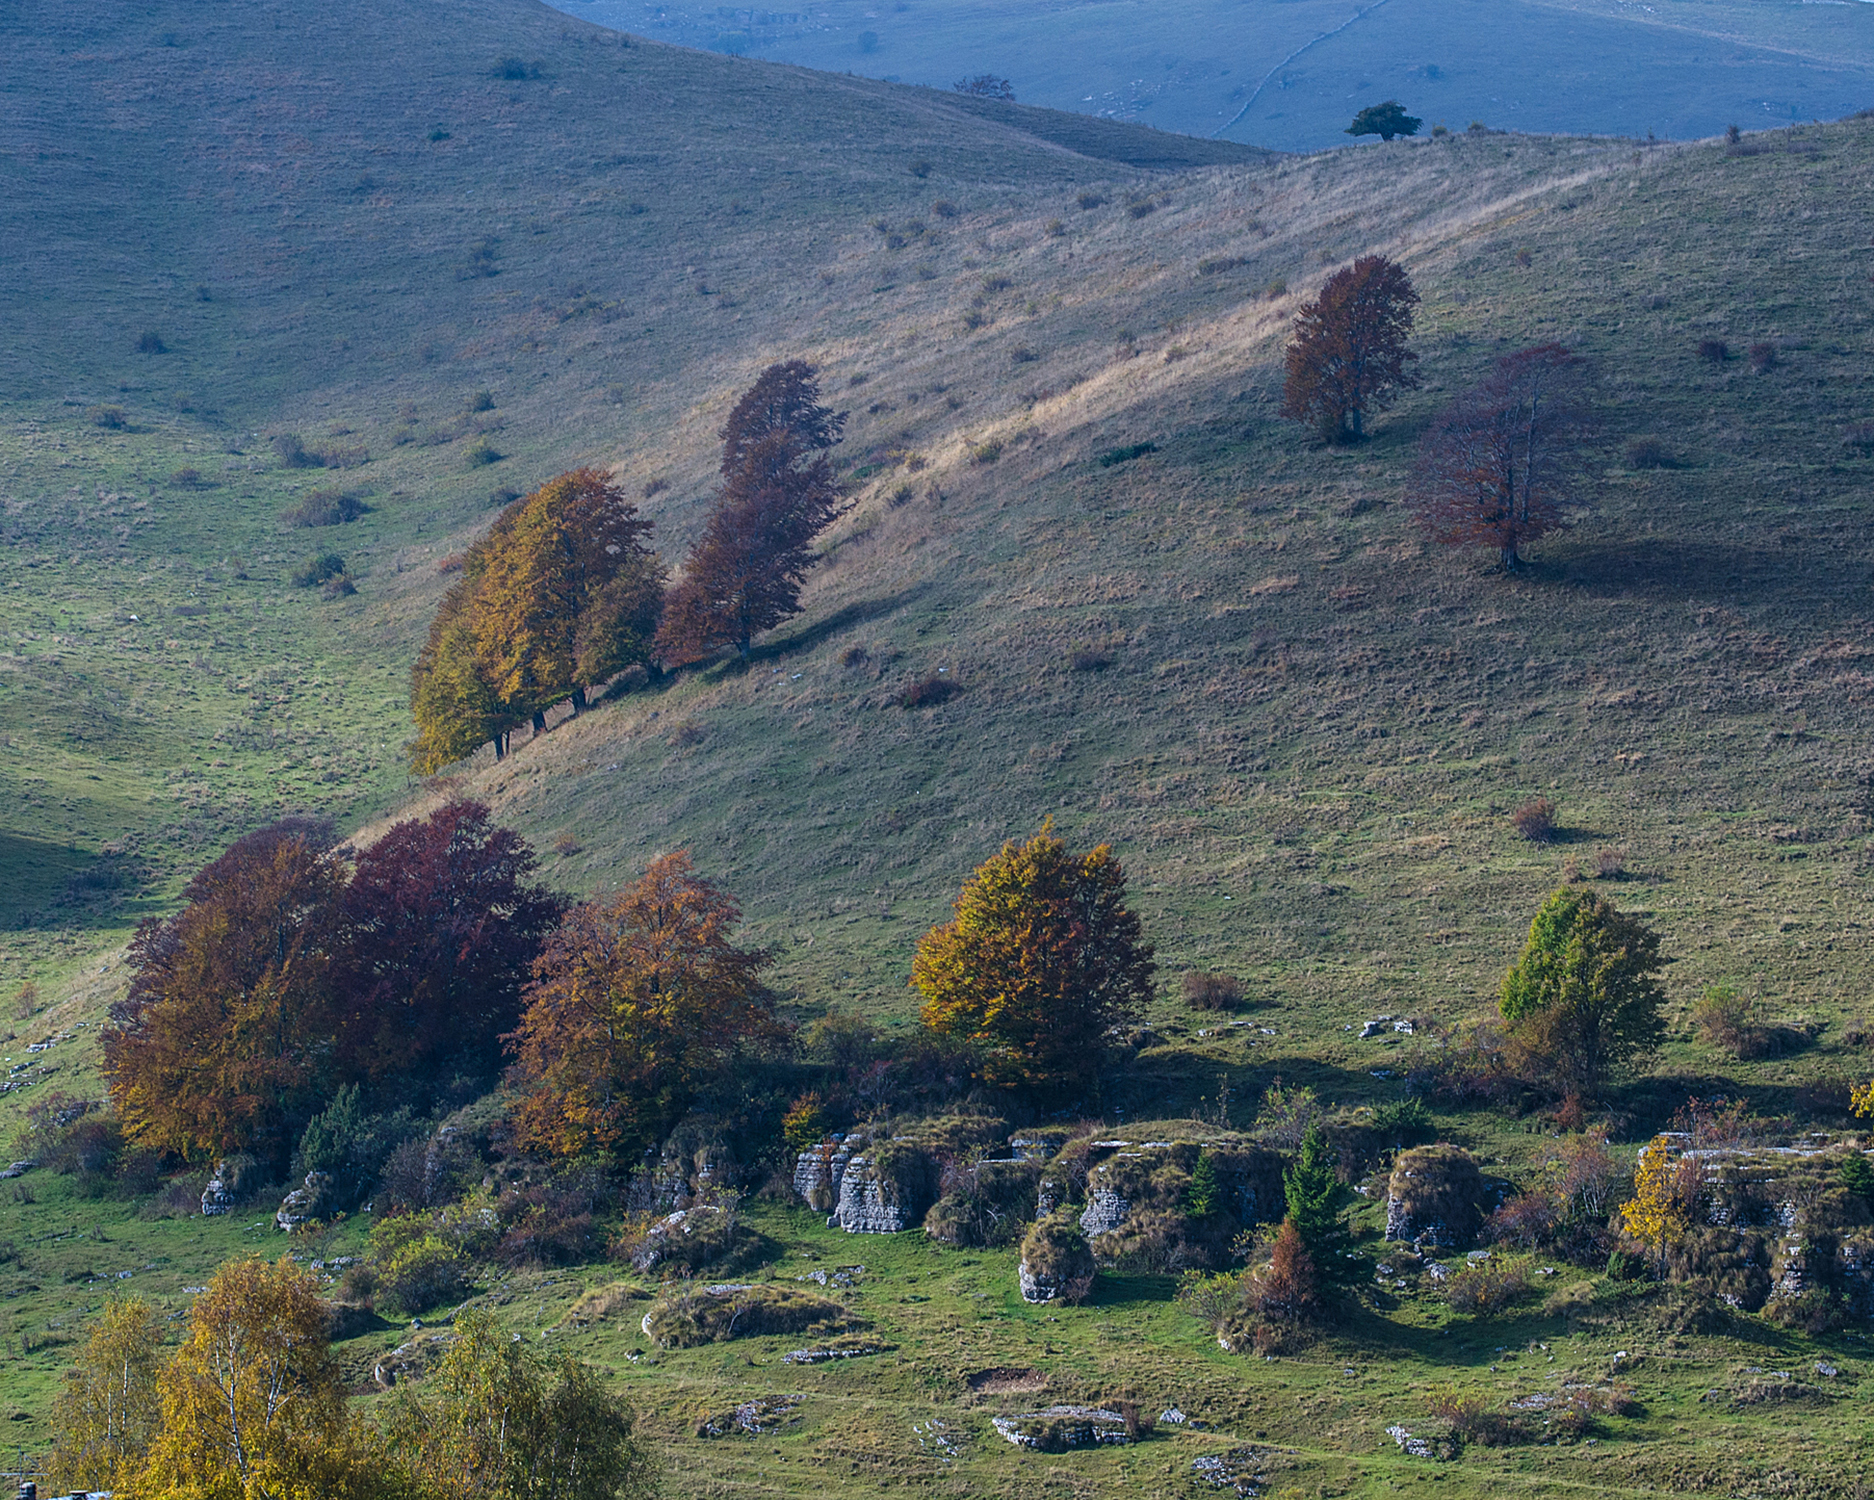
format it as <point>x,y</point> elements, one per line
<point>778,494</point>
<point>440,929</point>
<point>1501,462</point>
<point>1348,355</point>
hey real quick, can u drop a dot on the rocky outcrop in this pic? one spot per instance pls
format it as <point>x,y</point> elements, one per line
<point>1105,1212</point>
<point>819,1170</point>
<point>885,1191</point>
<point>1435,1196</point>
<point>305,1203</point>
<point>218,1196</point>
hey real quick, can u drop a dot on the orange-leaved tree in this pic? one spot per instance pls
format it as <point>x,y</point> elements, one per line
<point>636,1001</point>
<point>1499,463</point>
<point>562,593</point>
<point>1348,355</point>
<point>744,574</point>
<point>1042,957</point>
<point>214,1048</point>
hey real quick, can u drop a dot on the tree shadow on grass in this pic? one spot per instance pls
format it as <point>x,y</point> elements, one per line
<point>809,636</point>
<point>1667,568</point>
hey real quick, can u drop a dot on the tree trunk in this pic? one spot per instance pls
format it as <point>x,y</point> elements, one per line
<point>540,722</point>
<point>579,701</point>
<point>1353,424</point>
<point>1511,562</point>
<point>500,749</point>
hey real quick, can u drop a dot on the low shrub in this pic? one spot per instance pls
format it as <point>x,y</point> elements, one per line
<point>290,449</point>
<point>1535,820</point>
<point>984,1203</point>
<point>189,478</point>
<point>1126,454</point>
<point>1090,199</point>
<point>1714,351</point>
<point>1139,209</point>
<point>1860,435</point>
<point>943,208</point>
<point>1216,265</point>
<point>997,283</point>
<point>919,169</point>
<point>1733,1024</point>
<point>482,453</point>
<point>325,508</point>
<point>1763,356</point>
<point>1649,453</point>
<point>111,418</point>
<point>151,342</point>
<point>338,586</point>
<point>927,692</point>
<point>1089,661</point>
<point>687,1316</point>
<point>1404,1122</point>
<point>684,1242</point>
<point>1487,1287</point>
<point>1211,991</point>
<point>1473,1419</point>
<point>419,1273</point>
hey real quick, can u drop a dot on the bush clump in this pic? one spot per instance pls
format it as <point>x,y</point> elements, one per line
<point>1535,820</point>
<point>1487,1287</point>
<point>928,692</point>
<point>325,508</point>
<point>1649,453</point>
<point>1211,991</point>
<point>989,1203</point>
<point>319,568</point>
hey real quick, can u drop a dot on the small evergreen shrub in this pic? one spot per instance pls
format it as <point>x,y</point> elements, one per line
<point>318,569</point>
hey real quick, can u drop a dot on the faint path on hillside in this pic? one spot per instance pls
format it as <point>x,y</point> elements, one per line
<point>1357,15</point>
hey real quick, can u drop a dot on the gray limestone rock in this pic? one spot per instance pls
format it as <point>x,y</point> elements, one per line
<point>218,1196</point>
<point>304,1203</point>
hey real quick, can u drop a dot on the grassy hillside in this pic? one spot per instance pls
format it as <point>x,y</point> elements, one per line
<point>1232,656</point>
<point>1290,74</point>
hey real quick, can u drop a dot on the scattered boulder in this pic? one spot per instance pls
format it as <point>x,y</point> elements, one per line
<point>305,1203</point>
<point>819,1170</point>
<point>19,1168</point>
<point>218,1195</point>
<point>764,1414</point>
<point>1436,1195</point>
<point>1057,1264</point>
<point>1059,1429</point>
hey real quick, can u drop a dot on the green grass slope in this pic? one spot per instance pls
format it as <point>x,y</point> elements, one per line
<point>1232,656</point>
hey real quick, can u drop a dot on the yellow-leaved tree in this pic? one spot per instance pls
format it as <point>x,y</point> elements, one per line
<point>1042,957</point>
<point>252,1407</point>
<point>109,1411</point>
<point>1658,1210</point>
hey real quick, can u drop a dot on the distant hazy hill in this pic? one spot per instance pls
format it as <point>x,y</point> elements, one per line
<point>1678,68</point>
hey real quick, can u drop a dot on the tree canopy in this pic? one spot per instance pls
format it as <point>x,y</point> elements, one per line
<point>635,1002</point>
<point>1499,463</point>
<point>288,975</point>
<point>1385,121</point>
<point>745,573</point>
<point>1584,999</point>
<point>1348,355</point>
<point>1042,957</point>
<point>561,593</point>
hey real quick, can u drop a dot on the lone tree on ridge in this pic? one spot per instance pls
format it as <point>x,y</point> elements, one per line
<point>1385,121</point>
<point>1348,355</point>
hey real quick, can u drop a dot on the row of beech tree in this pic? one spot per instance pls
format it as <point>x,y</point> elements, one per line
<point>427,967</point>
<point>252,1404</point>
<point>563,592</point>
<point>1497,465</point>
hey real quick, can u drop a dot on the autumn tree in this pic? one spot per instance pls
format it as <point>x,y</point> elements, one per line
<point>1385,121</point>
<point>1041,959</point>
<point>214,1047</point>
<point>1584,1000</point>
<point>252,1404</point>
<point>1660,1209</point>
<point>561,593</point>
<point>1348,355</point>
<point>1499,464</point>
<point>635,1002</point>
<point>745,573</point>
<point>439,927</point>
<point>497,1419</point>
<point>109,1411</point>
